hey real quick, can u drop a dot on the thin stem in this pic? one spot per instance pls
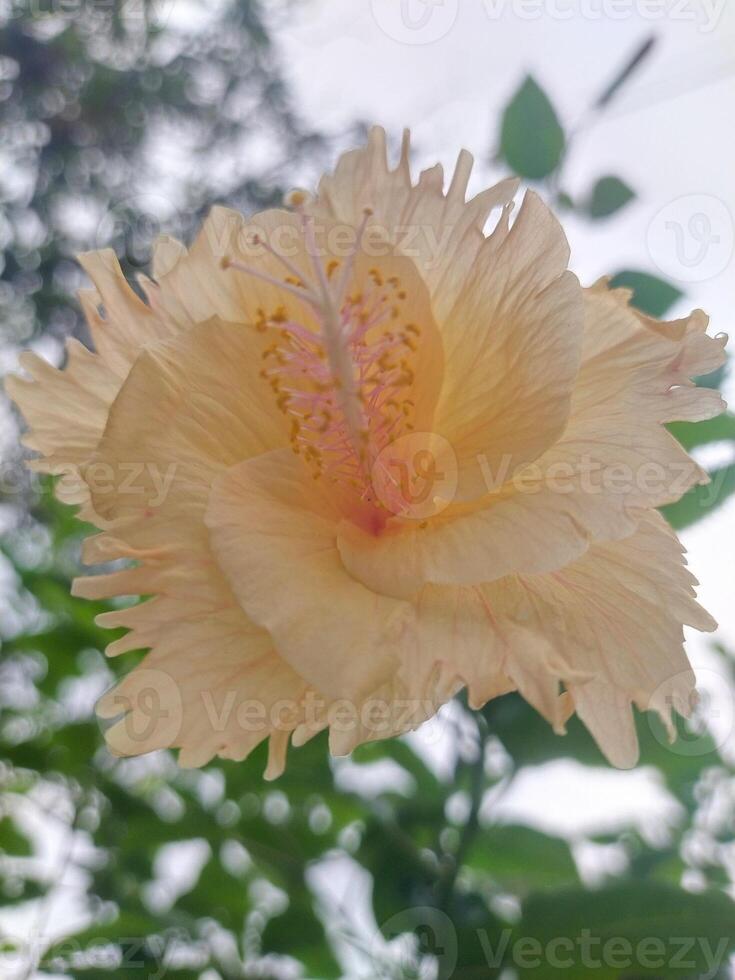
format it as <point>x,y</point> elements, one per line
<point>448,880</point>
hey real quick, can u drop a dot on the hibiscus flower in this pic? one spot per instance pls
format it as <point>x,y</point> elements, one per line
<point>359,455</point>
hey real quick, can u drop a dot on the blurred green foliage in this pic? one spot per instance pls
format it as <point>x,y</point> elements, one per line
<point>470,896</point>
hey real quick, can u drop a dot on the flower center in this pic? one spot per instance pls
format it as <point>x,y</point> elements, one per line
<point>343,372</point>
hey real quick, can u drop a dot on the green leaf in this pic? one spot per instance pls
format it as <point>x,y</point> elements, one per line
<point>693,434</point>
<point>12,841</point>
<point>530,740</point>
<point>633,929</point>
<point>532,139</point>
<point>701,501</point>
<point>298,932</point>
<point>609,195</point>
<point>714,379</point>
<point>520,858</point>
<point>651,295</point>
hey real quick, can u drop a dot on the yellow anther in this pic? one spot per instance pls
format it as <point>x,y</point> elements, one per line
<point>296,198</point>
<point>332,267</point>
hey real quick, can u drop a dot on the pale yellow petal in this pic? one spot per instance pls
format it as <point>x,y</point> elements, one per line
<point>440,231</point>
<point>608,627</point>
<point>640,367</point>
<point>189,409</point>
<point>211,685</point>
<point>614,459</point>
<point>273,532</point>
<point>66,411</point>
<point>120,322</point>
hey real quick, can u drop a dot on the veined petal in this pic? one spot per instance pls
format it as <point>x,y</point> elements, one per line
<point>189,409</point>
<point>440,231</point>
<point>198,283</point>
<point>608,627</point>
<point>211,685</point>
<point>643,367</point>
<point>614,460</point>
<point>273,532</point>
<point>510,318</point>
<point>512,347</point>
<point>120,322</point>
<point>66,411</point>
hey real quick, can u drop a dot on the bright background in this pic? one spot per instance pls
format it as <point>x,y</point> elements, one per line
<point>669,135</point>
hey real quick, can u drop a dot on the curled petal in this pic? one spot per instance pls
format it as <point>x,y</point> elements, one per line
<point>211,685</point>
<point>512,347</point>
<point>614,460</point>
<point>440,231</point>
<point>66,411</point>
<point>273,532</point>
<point>608,628</point>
